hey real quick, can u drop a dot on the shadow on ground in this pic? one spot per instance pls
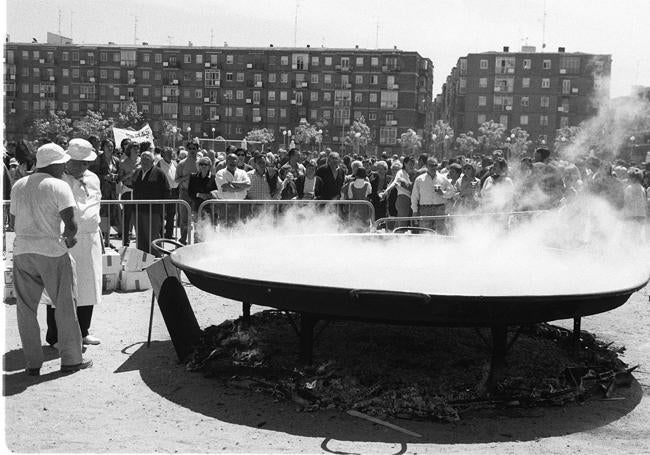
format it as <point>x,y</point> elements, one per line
<point>161,372</point>
<point>14,379</point>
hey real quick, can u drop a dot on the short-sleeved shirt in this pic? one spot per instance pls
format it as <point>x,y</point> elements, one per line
<point>87,196</point>
<point>36,202</point>
<point>225,176</point>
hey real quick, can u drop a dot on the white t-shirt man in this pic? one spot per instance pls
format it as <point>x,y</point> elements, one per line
<point>36,201</point>
<point>225,176</point>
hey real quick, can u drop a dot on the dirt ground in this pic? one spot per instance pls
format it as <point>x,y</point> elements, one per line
<point>138,399</point>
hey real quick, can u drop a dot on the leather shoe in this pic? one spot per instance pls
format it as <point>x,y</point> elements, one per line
<point>85,363</point>
<point>89,339</point>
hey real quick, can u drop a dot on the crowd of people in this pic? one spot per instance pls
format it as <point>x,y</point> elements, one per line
<point>63,184</point>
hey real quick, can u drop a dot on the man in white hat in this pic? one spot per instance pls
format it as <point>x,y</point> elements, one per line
<point>87,253</point>
<point>39,202</point>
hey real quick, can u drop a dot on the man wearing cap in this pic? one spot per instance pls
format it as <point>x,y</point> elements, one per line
<point>87,253</point>
<point>39,202</point>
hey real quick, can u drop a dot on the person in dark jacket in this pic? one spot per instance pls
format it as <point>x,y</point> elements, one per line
<point>149,182</point>
<point>333,177</point>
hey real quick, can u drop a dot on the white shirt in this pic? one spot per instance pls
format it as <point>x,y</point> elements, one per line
<point>169,169</point>
<point>635,201</point>
<point>36,201</point>
<point>225,176</point>
<point>87,196</point>
<point>424,190</point>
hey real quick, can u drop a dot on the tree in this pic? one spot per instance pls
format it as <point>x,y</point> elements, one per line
<point>411,141</point>
<point>263,135</point>
<point>491,136</point>
<point>466,143</point>
<point>170,133</point>
<point>130,117</point>
<point>305,134</point>
<point>518,142</point>
<point>93,123</point>
<point>55,124</point>
<point>441,137</point>
<point>358,135</point>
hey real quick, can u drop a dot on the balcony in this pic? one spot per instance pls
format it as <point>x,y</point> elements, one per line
<point>257,119</point>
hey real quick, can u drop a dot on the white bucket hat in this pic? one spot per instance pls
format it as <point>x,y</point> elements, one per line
<point>50,153</point>
<point>81,150</point>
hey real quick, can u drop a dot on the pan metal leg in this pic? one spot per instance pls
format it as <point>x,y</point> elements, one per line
<point>307,323</point>
<point>576,332</point>
<point>499,349</point>
<point>246,312</point>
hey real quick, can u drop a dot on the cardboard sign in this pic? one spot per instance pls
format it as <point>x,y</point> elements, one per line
<point>134,260</point>
<point>134,281</point>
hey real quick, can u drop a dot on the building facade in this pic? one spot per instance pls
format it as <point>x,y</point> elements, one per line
<point>539,92</point>
<point>223,91</point>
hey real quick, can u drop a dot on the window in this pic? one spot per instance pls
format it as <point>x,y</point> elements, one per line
<point>328,61</point>
<point>25,88</point>
<point>358,79</point>
<point>504,65</point>
<point>270,112</point>
<point>198,93</point>
<point>482,82</point>
<point>327,96</point>
<point>527,63</point>
<point>240,94</point>
<point>524,101</point>
<point>299,98</point>
<point>272,77</point>
<point>481,118</point>
<point>157,59</point>
<point>327,114</point>
<point>25,72</point>
<point>229,76</point>
<point>359,61</point>
<point>75,56</point>
<point>482,100</point>
<point>373,97</point>
<point>283,95</point>
<point>157,75</point>
<point>544,101</point>
<point>314,78</point>
<point>388,135</point>
<point>144,108</point>
<point>315,61</point>
<point>103,57</point>
<point>240,77</point>
<point>546,64</point>
<point>186,93</point>
<point>546,83</point>
<point>299,61</point>
<point>484,64</point>
<point>199,59</point>
<point>345,63</point>
<point>116,91</point>
<point>372,116</point>
<point>239,112</point>
<point>186,110</point>
<point>212,78</point>
<point>187,76</point>
<point>374,61</point>
<point>525,82</point>
<point>157,109</point>
<point>37,72</point>
<point>145,91</point>
<point>374,79</point>
<point>256,98</point>
<point>523,120</point>
<point>566,86</point>
<point>570,65</point>
<point>146,58</point>
<point>543,120</point>
<point>313,114</point>
<point>75,73</point>
<point>127,59</point>
<point>503,119</point>
<point>283,113</point>
<point>65,90</point>
<point>565,105</point>
<point>230,59</point>
<point>284,60</point>
<point>64,56</point>
<point>284,78</point>
<point>198,111</point>
<point>564,122</point>
<point>145,75</point>
<point>187,58</point>
<point>313,96</point>
<point>116,75</point>
<point>389,99</point>
<point>228,111</point>
<point>75,107</point>
<point>271,95</point>
<point>358,97</point>
<point>327,79</point>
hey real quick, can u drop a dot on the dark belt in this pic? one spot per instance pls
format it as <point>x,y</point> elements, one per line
<point>431,205</point>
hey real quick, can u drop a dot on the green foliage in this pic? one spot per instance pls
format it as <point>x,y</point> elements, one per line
<point>170,133</point>
<point>93,123</point>
<point>411,141</point>
<point>491,136</point>
<point>519,142</point>
<point>358,135</point>
<point>263,135</point>
<point>305,134</point>
<point>130,117</point>
<point>466,143</point>
<point>55,124</point>
<point>442,135</point>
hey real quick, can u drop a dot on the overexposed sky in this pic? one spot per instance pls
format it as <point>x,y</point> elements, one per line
<point>442,30</point>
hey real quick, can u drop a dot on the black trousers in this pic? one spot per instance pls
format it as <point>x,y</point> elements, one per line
<point>84,315</point>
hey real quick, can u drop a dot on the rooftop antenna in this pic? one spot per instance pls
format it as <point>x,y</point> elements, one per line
<point>377,35</point>
<point>71,13</point>
<point>60,14</point>
<point>169,39</point>
<point>211,37</point>
<point>135,31</point>
<point>544,27</point>
<point>295,25</point>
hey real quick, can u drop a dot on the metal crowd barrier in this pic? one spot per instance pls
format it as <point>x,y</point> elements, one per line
<point>142,210</point>
<point>444,223</point>
<point>227,213</point>
<point>145,215</point>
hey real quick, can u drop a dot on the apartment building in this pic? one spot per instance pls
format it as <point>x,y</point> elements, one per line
<point>223,91</point>
<point>537,91</point>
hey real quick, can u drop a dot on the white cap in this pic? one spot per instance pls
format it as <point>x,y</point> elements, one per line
<point>81,150</point>
<point>50,153</point>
